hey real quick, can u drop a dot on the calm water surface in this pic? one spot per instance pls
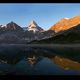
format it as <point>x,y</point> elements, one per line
<point>37,61</point>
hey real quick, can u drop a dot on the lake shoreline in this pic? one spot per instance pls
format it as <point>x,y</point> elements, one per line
<point>43,45</point>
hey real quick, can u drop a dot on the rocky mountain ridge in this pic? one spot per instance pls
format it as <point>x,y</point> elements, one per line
<point>62,30</point>
<point>65,24</point>
<point>13,33</point>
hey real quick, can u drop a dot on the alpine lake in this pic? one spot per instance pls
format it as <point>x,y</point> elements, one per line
<point>36,59</point>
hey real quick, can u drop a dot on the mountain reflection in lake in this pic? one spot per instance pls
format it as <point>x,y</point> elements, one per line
<point>36,61</point>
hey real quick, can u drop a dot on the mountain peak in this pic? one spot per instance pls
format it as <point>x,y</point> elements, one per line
<point>66,18</point>
<point>33,22</point>
<point>13,26</point>
<point>12,22</point>
<point>33,26</point>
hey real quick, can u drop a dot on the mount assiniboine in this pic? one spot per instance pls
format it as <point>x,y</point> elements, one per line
<point>33,26</point>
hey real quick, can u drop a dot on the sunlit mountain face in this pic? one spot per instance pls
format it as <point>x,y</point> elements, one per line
<point>65,24</point>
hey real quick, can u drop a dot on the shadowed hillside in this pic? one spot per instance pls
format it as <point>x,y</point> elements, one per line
<point>71,35</point>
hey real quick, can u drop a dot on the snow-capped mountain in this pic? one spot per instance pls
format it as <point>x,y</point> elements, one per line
<point>34,32</point>
<point>33,26</point>
<point>13,33</point>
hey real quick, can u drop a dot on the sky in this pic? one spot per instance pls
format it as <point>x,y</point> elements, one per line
<point>44,14</point>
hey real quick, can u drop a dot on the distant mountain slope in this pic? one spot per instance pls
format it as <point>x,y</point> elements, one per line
<point>71,35</point>
<point>65,31</point>
<point>65,24</point>
<point>13,33</point>
<point>34,32</point>
<point>11,26</point>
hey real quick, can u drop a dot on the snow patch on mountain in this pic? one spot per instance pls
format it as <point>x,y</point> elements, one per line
<point>34,27</point>
<point>66,18</point>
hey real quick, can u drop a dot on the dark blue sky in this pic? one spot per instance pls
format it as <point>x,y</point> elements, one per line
<point>44,14</point>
